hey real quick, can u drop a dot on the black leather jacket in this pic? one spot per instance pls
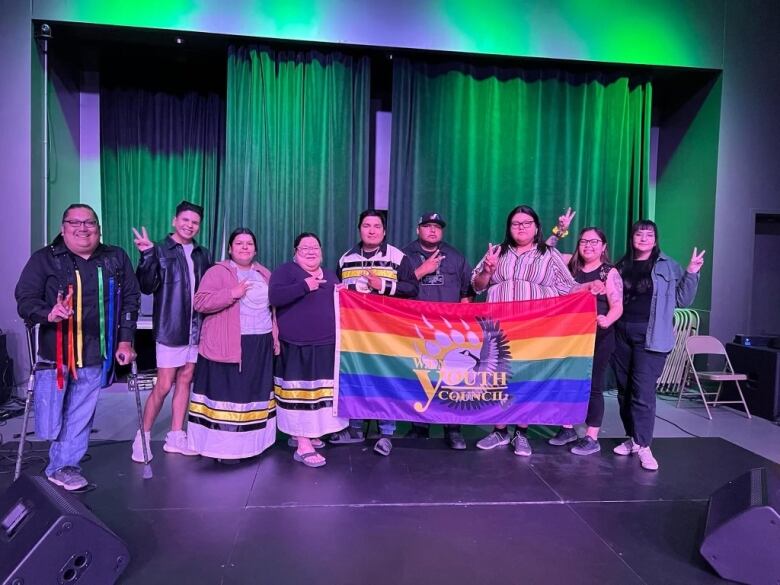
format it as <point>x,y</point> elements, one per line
<point>162,271</point>
<point>48,273</point>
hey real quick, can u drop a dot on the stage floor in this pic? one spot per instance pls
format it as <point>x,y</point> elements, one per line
<point>424,515</point>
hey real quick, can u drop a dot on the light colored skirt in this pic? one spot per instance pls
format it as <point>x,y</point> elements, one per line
<point>303,385</point>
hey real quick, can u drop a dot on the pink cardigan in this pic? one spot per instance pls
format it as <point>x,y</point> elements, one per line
<point>220,335</point>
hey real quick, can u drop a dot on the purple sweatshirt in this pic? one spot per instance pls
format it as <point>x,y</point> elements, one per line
<point>304,317</point>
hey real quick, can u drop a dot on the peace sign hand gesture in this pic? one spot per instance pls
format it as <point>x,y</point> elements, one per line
<point>697,261</point>
<point>431,264</point>
<point>564,221</point>
<point>491,259</point>
<point>62,309</point>
<point>142,241</point>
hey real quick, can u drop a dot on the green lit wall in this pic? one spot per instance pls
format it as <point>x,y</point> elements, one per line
<point>737,37</point>
<point>685,187</point>
<point>685,33</point>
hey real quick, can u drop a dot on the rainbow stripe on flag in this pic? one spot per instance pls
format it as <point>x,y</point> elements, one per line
<point>457,363</point>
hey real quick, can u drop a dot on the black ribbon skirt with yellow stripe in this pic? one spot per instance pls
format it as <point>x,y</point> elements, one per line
<point>303,386</point>
<point>232,413</point>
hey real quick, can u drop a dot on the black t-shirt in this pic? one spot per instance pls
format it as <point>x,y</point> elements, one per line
<point>600,273</point>
<point>638,283</point>
<point>450,282</point>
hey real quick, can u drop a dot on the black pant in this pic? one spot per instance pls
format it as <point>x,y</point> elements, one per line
<point>602,355</point>
<point>636,370</point>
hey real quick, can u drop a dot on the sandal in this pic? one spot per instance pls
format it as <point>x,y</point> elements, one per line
<point>348,435</point>
<point>305,458</point>
<point>384,446</point>
<point>316,443</point>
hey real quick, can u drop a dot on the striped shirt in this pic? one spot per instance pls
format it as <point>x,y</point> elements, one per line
<point>387,262</point>
<point>527,276</point>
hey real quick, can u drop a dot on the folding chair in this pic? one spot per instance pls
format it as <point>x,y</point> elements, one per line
<point>708,345</point>
<point>672,379</point>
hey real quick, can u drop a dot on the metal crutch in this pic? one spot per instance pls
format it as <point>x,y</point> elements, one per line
<point>132,382</point>
<point>27,404</point>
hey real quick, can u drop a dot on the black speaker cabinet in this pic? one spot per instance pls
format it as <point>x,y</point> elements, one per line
<point>742,536</point>
<point>49,537</point>
<point>762,390</point>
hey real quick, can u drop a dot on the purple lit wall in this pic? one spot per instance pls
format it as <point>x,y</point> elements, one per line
<point>748,170</point>
<point>15,165</point>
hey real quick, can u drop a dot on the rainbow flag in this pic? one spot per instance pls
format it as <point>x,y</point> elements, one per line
<point>457,363</point>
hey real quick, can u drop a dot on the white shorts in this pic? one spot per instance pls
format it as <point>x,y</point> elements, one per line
<point>175,357</point>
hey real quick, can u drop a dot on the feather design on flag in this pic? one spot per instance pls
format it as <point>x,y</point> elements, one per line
<point>494,355</point>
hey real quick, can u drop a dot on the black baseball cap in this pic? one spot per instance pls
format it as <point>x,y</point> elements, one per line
<point>432,217</point>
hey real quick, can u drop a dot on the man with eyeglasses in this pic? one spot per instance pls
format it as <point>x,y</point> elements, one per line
<point>171,270</point>
<point>444,276</point>
<point>85,298</point>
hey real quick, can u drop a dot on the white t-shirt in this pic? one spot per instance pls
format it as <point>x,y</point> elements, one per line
<point>254,309</point>
<point>188,248</point>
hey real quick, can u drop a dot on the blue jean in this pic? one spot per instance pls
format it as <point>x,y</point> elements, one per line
<point>65,416</point>
<point>386,427</point>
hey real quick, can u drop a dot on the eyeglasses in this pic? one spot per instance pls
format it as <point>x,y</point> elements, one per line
<point>77,223</point>
<point>592,243</point>
<point>305,249</point>
<point>522,224</point>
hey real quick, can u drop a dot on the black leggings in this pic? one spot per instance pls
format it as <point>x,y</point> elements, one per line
<point>602,354</point>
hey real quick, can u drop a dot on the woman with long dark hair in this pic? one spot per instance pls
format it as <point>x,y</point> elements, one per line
<point>232,414</point>
<point>589,263</point>
<point>654,285</point>
<point>523,267</point>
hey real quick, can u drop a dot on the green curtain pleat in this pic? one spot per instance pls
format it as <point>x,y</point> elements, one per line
<point>296,154</point>
<point>472,142</point>
<point>157,150</point>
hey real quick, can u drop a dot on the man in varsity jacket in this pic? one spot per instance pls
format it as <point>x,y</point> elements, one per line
<point>375,267</point>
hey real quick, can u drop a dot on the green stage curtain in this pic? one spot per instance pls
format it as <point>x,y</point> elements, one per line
<point>157,149</point>
<point>472,141</point>
<point>296,154</point>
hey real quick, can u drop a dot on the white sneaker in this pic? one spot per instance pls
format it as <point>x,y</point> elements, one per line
<point>138,448</point>
<point>647,460</point>
<point>176,442</point>
<point>627,447</point>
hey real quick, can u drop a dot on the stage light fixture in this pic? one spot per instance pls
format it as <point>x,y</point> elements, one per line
<point>43,31</point>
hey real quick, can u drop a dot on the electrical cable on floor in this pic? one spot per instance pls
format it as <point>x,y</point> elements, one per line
<point>8,457</point>
<point>674,424</point>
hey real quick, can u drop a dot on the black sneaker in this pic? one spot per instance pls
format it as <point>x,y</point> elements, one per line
<point>563,437</point>
<point>586,446</point>
<point>346,436</point>
<point>456,441</point>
